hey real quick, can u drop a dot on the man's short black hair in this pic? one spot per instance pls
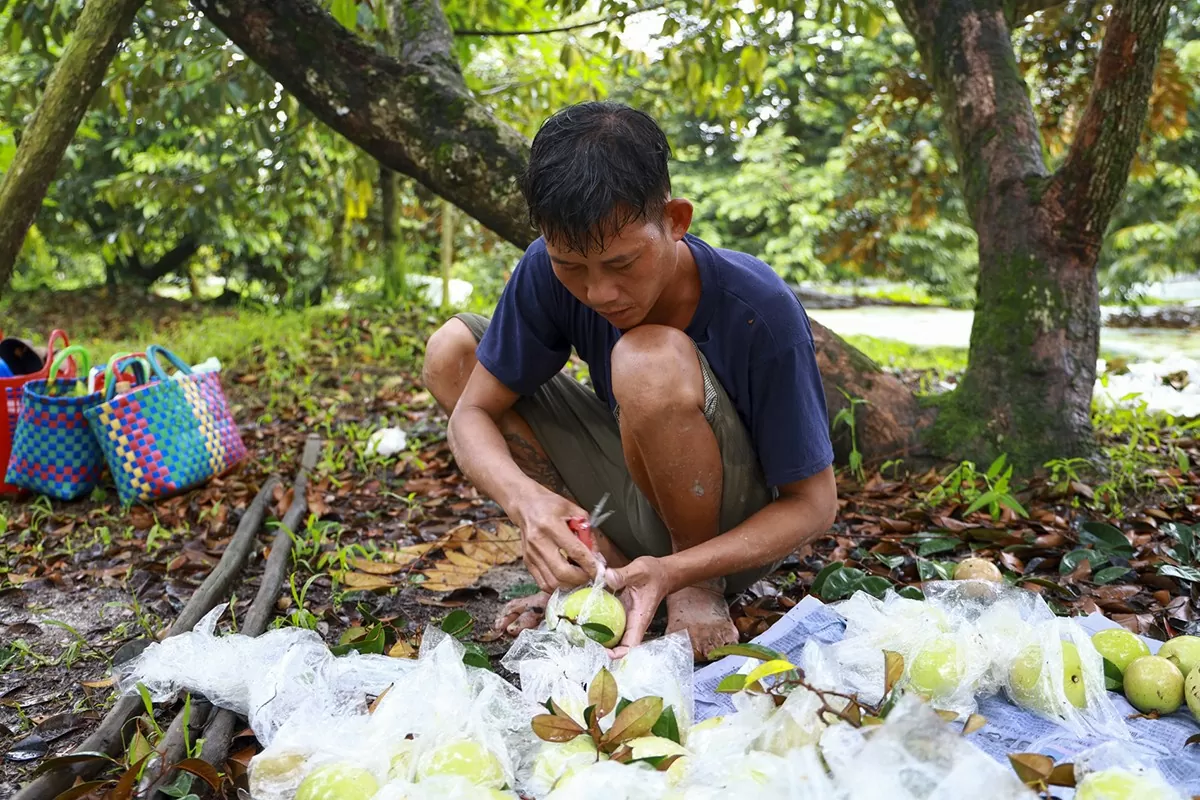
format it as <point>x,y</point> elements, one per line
<point>593,168</point>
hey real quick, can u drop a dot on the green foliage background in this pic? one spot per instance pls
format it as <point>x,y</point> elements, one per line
<point>806,135</point>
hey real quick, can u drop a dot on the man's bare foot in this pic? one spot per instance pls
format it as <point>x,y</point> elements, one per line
<point>522,613</point>
<point>704,613</point>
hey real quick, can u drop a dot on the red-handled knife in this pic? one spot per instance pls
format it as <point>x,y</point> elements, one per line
<point>582,527</point>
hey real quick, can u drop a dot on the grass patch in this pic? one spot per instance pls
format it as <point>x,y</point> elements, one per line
<point>894,353</point>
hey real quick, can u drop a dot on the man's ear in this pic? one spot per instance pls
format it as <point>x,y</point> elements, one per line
<point>677,217</point>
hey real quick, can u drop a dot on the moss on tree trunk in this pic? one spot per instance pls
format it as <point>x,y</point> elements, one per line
<point>1028,386</point>
<point>73,82</point>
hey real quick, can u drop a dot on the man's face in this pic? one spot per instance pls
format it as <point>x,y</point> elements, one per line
<point>624,281</point>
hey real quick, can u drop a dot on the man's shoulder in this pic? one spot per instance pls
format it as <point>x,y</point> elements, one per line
<point>750,285</point>
<point>535,260</point>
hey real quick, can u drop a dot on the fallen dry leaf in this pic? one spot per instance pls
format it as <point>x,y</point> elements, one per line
<point>365,581</point>
<point>376,567</point>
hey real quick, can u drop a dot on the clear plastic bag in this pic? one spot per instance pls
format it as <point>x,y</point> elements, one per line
<point>1115,770</point>
<point>268,678</point>
<point>445,715</point>
<point>1057,673</point>
<point>945,659</point>
<point>552,667</point>
<point>915,755</point>
<point>438,720</point>
<point>569,610</point>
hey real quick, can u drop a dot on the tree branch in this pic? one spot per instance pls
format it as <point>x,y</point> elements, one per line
<point>413,114</point>
<point>1093,177</point>
<point>420,34</point>
<point>564,28</point>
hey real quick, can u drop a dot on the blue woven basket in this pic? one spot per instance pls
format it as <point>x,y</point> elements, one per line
<point>54,451</point>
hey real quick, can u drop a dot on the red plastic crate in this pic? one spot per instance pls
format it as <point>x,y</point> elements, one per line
<point>10,402</point>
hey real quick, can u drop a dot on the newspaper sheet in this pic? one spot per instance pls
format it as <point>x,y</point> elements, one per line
<point>1009,729</point>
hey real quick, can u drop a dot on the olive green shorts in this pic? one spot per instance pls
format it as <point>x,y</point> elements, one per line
<point>583,440</point>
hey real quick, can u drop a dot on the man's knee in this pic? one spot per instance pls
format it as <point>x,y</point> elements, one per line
<point>656,368</point>
<point>449,359</point>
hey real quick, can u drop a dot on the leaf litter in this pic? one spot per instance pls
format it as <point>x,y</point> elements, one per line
<point>394,543</point>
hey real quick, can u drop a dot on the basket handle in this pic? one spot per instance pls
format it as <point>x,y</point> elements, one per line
<point>61,357</point>
<point>57,334</point>
<point>114,367</point>
<point>154,351</point>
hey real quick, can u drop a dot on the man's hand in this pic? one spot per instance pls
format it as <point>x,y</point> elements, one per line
<point>641,587</point>
<point>545,536</point>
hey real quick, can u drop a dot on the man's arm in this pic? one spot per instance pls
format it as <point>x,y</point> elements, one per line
<point>804,510</point>
<point>508,468</point>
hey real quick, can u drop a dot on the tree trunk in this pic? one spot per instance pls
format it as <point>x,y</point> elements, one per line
<point>73,82</point>
<point>394,280</point>
<point>447,251</point>
<point>1028,386</point>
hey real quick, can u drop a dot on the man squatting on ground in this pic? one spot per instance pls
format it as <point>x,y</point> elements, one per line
<point>706,418</point>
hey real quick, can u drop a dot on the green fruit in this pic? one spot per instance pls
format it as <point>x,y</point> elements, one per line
<point>338,782</point>
<point>557,759</point>
<point>1117,784</point>
<point>1183,652</point>
<point>1025,678</point>
<point>1191,692</point>
<point>598,607</point>
<point>1119,646</point>
<point>466,759</point>
<point>979,569</point>
<point>935,670</point>
<point>1152,683</point>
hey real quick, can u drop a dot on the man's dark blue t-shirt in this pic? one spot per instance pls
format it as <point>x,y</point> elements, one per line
<point>749,325</point>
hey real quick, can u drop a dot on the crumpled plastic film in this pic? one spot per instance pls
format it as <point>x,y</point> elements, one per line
<point>660,668</point>
<point>608,780</point>
<point>795,724</point>
<point>268,678</point>
<point>716,745</point>
<point>218,667</point>
<point>915,755</point>
<point>551,667</point>
<point>1058,674</point>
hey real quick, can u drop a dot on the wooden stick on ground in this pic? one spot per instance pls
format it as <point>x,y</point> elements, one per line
<point>171,749</point>
<point>219,733</point>
<point>109,737</point>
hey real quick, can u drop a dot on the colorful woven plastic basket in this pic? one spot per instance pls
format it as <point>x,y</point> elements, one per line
<point>168,434</point>
<point>11,390</point>
<point>54,452</point>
